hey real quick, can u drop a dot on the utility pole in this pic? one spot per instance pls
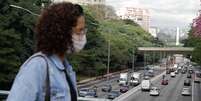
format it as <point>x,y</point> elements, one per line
<point>108,61</point>
<point>133,62</point>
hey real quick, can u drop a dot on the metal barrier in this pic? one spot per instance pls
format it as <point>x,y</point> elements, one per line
<point>4,94</point>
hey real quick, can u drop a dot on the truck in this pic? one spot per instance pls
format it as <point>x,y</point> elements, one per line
<point>135,79</point>
<point>146,85</point>
<point>123,79</point>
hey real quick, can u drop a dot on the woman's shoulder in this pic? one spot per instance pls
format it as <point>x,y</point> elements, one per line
<point>37,62</point>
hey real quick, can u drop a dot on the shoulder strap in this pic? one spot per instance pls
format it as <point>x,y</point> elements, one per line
<point>72,88</point>
<point>47,80</point>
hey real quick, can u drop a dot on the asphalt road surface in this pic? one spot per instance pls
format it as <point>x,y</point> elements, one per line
<point>170,92</point>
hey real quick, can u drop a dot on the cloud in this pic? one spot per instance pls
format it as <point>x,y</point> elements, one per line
<point>164,12</point>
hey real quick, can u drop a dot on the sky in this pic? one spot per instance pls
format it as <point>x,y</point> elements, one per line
<point>164,13</point>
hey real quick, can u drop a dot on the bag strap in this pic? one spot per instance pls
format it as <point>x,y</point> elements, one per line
<point>72,88</point>
<point>47,80</point>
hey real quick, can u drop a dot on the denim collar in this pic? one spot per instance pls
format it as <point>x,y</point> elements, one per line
<point>61,66</point>
<point>56,60</point>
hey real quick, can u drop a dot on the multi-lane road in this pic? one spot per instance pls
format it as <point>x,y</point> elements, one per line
<point>114,83</point>
<point>170,92</point>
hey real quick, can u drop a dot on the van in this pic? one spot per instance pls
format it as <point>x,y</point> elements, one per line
<point>123,79</point>
<point>135,79</point>
<point>145,85</point>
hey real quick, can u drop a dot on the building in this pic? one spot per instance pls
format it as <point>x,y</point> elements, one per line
<point>154,31</point>
<point>138,15</point>
<point>83,2</point>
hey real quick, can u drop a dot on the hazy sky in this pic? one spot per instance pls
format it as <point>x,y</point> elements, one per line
<point>164,13</point>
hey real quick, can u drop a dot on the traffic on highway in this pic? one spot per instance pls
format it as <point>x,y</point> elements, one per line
<point>178,83</point>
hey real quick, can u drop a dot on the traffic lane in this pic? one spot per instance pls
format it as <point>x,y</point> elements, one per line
<point>115,85</point>
<point>172,92</point>
<point>197,92</point>
<point>168,93</point>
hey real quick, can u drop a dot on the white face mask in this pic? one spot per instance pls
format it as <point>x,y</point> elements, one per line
<point>79,42</point>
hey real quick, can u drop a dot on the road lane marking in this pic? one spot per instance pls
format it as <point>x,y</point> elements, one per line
<point>132,91</point>
<point>193,91</point>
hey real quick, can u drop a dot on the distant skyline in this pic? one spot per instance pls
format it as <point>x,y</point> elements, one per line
<point>164,13</point>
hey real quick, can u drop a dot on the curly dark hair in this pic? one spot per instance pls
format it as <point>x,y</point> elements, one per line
<point>54,27</point>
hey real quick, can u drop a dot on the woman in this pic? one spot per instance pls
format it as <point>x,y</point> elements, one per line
<point>47,74</point>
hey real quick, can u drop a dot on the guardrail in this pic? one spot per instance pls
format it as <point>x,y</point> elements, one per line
<point>4,94</point>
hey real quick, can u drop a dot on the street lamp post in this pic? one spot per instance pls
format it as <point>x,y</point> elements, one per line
<point>133,62</point>
<point>19,7</point>
<point>108,61</point>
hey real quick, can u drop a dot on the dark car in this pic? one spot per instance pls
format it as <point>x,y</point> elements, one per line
<point>124,89</point>
<point>91,93</point>
<point>183,71</point>
<point>190,71</point>
<point>188,75</point>
<point>86,92</point>
<point>107,88</point>
<point>113,94</point>
<point>149,73</point>
<point>164,82</point>
<point>168,71</point>
<point>187,82</point>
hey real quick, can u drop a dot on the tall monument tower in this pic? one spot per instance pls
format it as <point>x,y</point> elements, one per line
<point>177,37</point>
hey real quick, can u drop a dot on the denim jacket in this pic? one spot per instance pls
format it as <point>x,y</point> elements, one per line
<point>30,82</point>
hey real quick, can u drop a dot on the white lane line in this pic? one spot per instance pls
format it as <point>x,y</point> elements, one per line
<point>193,91</point>
<point>132,91</point>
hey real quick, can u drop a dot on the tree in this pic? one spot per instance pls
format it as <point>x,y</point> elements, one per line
<point>16,37</point>
<point>194,41</point>
<point>101,12</point>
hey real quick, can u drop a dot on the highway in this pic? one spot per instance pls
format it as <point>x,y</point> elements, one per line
<point>170,92</point>
<point>196,91</point>
<point>114,83</point>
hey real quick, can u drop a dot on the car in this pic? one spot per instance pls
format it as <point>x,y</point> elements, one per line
<point>190,71</point>
<point>164,82</point>
<point>186,92</point>
<point>83,92</point>
<point>124,89</point>
<point>197,77</point>
<point>86,92</point>
<point>107,88</point>
<point>146,77</point>
<point>91,93</point>
<point>187,82</point>
<point>176,72</point>
<point>172,74</point>
<point>113,94</point>
<point>172,70</point>
<point>167,71</point>
<point>183,71</point>
<point>154,91</point>
<point>188,75</point>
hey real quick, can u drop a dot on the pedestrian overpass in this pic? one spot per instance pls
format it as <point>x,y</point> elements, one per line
<point>163,52</point>
<point>175,50</point>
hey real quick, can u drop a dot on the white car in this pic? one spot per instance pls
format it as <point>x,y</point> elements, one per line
<point>172,74</point>
<point>154,91</point>
<point>186,92</point>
